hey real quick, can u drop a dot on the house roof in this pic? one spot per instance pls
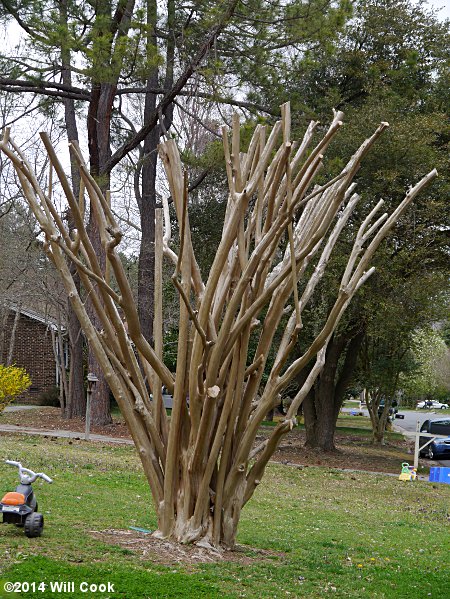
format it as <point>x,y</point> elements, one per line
<point>45,319</point>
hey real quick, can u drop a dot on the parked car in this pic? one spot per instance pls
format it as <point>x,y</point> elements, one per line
<point>166,397</point>
<point>432,405</point>
<point>438,448</point>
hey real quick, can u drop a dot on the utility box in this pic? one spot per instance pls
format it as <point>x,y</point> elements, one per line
<point>440,475</point>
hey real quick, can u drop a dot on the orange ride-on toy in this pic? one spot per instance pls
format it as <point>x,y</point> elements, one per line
<point>20,506</point>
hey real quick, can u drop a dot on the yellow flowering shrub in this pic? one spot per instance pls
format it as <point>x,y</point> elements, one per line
<point>13,381</point>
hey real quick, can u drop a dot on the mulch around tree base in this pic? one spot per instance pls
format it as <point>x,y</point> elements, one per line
<point>353,451</point>
<point>166,552</point>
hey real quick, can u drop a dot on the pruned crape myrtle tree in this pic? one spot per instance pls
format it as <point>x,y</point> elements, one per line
<point>202,464</point>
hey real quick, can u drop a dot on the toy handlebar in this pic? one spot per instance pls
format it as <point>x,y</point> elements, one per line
<point>28,476</point>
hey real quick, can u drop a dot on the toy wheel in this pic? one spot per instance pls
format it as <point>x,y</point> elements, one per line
<point>34,525</point>
<point>430,453</point>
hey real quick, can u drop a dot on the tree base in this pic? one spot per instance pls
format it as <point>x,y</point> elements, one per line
<point>167,551</point>
<point>322,447</point>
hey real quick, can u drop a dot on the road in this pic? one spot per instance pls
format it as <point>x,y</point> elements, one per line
<point>411,417</point>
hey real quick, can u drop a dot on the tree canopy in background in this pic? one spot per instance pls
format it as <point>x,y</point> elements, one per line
<point>430,379</point>
<point>124,72</point>
<point>389,63</point>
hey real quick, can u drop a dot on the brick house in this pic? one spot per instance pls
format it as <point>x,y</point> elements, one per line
<point>33,350</point>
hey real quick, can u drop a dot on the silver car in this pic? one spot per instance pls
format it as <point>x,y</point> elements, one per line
<point>432,405</point>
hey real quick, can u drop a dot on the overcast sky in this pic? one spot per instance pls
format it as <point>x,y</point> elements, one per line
<point>444,5</point>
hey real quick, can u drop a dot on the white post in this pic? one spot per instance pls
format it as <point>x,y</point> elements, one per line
<point>88,414</point>
<point>417,445</point>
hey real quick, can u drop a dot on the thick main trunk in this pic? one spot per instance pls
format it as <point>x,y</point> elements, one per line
<point>322,405</point>
<point>378,437</point>
<point>99,123</point>
<point>76,400</point>
<point>185,532</point>
<point>320,419</point>
<point>203,526</point>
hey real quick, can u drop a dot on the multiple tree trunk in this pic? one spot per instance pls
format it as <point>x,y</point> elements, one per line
<point>202,465</point>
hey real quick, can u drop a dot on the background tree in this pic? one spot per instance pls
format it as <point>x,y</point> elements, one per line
<point>387,353</point>
<point>430,379</point>
<point>28,282</point>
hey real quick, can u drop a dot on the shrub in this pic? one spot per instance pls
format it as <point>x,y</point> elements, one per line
<point>49,397</point>
<point>13,381</point>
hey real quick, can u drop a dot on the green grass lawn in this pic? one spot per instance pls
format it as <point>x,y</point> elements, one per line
<point>336,533</point>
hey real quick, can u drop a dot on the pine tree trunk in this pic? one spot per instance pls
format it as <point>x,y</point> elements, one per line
<point>146,268</point>
<point>76,400</point>
<point>99,122</point>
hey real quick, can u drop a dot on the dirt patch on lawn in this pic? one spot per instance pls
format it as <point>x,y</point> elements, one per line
<point>166,552</point>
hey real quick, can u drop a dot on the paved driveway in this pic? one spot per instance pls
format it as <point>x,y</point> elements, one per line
<point>14,408</point>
